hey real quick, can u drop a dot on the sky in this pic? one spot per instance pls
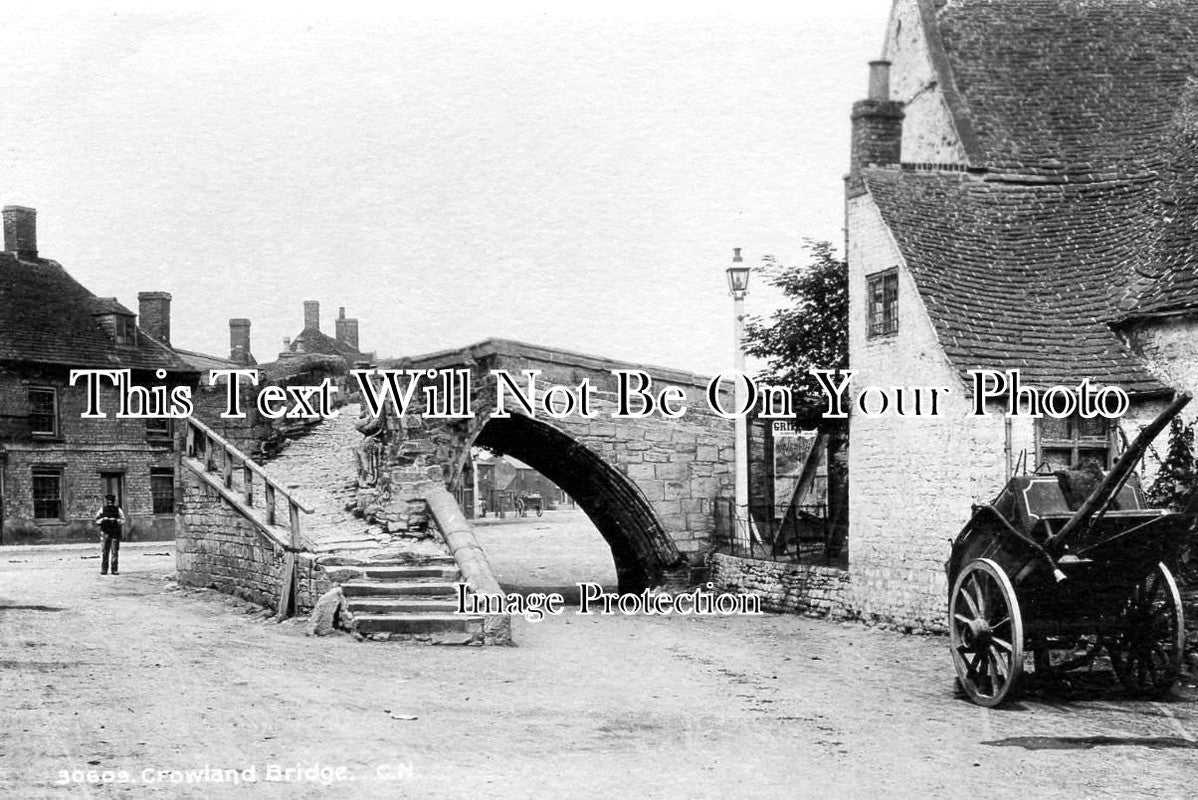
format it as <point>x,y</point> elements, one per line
<point>447,175</point>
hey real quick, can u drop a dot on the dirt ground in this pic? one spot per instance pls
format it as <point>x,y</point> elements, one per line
<point>132,676</point>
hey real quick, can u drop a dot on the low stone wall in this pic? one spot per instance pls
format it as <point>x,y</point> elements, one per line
<point>807,589</point>
<point>218,548</point>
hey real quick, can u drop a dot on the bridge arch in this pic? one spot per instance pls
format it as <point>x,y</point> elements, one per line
<point>640,547</point>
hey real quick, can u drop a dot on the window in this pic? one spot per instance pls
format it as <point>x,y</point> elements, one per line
<point>47,493</point>
<point>43,412</point>
<point>1069,443</point>
<point>159,429</point>
<point>126,331</point>
<point>883,303</point>
<point>162,489</point>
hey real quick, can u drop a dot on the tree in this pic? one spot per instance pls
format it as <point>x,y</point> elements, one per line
<point>812,331</point>
<point>1178,473</point>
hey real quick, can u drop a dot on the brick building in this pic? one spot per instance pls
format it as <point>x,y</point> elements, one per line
<point>55,466</point>
<point>1021,195</point>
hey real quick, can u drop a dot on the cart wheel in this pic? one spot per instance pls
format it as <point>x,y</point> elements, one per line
<point>1146,653</point>
<point>985,632</point>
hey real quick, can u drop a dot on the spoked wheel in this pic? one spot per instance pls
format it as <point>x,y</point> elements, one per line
<point>986,632</point>
<point>1146,653</point>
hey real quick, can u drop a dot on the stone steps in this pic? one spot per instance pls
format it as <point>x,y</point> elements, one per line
<point>445,573</point>
<point>402,605</point>
<point>430,561</point>
<point>445,629</point>
<point>360,588</point>
<point>389,600</point>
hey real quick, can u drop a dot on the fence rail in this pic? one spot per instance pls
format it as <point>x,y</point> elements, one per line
<point>236,477</point>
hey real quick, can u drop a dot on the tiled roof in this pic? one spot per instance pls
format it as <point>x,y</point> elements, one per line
<point>311,340</point>
<point>1080,121</point>
<point>204,362</point>
<point>1171,276</point>
<point>1018,275</point>
<point>302,365</point>
<point>109,305</point>
<point>46,316</point>
<point>1079,85</point>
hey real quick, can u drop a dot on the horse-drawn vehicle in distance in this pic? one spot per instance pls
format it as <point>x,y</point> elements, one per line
<point>1066,566</point>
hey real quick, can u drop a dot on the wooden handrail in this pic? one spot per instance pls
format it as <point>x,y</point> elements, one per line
<point>245,460</point>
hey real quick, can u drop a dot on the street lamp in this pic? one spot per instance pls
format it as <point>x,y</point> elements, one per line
<point>738,280</point>
<point>738,286</point>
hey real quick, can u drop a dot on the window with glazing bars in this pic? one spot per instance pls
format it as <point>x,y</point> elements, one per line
<point>47,494</point>
<point>883,303</point>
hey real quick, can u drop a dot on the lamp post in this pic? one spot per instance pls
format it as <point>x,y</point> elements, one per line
<point>738,286</point>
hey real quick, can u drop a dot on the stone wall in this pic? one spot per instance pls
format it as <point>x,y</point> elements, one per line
<point>913,479</point>
<point>218,548</point>
<point>807,589</point>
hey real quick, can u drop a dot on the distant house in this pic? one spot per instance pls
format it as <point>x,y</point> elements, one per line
<point>56,467</point>
<point>312,341</point>
<point>501,479</point>
<point>1023,194</point>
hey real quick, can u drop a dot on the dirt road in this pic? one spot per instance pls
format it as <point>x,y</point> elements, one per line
<point>132,676</point>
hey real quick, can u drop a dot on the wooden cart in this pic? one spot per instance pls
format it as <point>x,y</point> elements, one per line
<point>1033,572</point>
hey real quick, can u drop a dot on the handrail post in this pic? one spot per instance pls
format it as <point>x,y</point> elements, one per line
<point>227,467</point>
<point>268,496</point>
<point>190,447</point>
<point>295,523</point>
<point>247,484</point>
<point>287,587</point>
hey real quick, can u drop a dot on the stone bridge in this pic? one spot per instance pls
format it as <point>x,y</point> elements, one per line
<point>648,484</point>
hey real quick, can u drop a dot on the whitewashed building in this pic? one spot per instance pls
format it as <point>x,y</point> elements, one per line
<point>1023,194</point>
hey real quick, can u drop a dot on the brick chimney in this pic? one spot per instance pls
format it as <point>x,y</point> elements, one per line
<point>311,315</point>
<point>347,329</point>
<point>239,342</point>
<point>877,128</point>
<point>154,315</point>
<point>20,231</point>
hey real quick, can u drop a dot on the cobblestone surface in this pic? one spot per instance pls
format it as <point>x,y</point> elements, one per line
<point>320,468</point>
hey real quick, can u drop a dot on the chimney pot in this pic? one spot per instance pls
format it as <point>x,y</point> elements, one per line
<point>20,231</point>
<point>879,80</point>
<point>154,315</point>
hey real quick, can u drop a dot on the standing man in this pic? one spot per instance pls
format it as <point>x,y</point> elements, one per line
<point>111,519</point>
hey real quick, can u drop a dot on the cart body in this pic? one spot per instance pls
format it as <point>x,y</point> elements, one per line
<point>1072,562</point>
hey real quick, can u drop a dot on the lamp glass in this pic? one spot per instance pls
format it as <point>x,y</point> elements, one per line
<point>738,279</point>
